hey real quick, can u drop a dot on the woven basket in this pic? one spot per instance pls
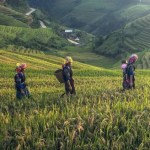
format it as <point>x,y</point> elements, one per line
<point>59,75</point>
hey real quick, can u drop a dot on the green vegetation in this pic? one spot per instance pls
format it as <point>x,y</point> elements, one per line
<point>10,21</point>
<point>42,39</point>
<point>39,15</point>
<point>131,19</point>
<point>85,55</point>
<point>99,117</point>
<point>132,38</point>
<point>137,34</point>
<point>18,5</point>
<point>11,17</point>
<point>94,16</point>
<point>144,62</point>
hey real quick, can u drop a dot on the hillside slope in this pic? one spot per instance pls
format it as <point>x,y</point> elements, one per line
<point>10,17</point>
<point>52,40</point>
<point>18,5</point>
<point>95,16</point>
<point>38,60</point>
<point>87,120</point>
<point>132,38</point>
<point>42,39</point>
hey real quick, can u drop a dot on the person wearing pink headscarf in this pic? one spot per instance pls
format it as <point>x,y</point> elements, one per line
<point>130,70</point>
<point>20,85</point>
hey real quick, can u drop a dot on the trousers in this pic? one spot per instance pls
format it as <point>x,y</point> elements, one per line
<point>70,87</point>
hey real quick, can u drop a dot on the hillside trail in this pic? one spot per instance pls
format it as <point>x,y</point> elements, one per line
<point>42,24</point>
<point>30,12</point>
<point>73,42</point>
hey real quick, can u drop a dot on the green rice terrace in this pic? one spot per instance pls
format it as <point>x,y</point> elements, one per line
<point>100,116</point>
<point>11,17</point>
<point>43,39</point>
<point>95,16</point>
<point>133,37</point>
<point>140,33</point>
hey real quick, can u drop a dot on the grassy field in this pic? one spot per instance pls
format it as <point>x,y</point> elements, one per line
<point>47,40</point>
<point>42,39</point>
<point>85,55</point>
<point>100,116</point>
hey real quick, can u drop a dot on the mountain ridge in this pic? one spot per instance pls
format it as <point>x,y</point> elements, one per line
<point>94,16</point>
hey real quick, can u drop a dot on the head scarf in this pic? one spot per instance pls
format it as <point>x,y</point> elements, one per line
<point>133,58</point>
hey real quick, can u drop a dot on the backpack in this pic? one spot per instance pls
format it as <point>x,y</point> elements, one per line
<point>126,82</point>
<point>59,75</point>
<point>130,68</point>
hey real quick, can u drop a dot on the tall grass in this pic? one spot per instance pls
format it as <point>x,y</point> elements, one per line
<point>100,116</point>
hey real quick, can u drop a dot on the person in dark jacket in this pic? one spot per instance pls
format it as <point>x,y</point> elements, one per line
<point>131,70</point>
<point>68,76</point>
<point>20,85</point>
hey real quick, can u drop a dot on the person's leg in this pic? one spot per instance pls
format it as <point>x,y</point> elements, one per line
<point>67,88</point>
<point>123,85</point>
<point>73,91</point>
<point>27,93</point>
<point>18,95</point>
<point>131,81</point>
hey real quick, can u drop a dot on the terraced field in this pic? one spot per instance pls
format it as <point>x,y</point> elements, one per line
<point>133,38</point>
<point>144,61</point>
<point>100,116</point>
<point>135,11</point>
<point>11,17</point>
<point>140,39</point>
<point>140,30</point>
<point>41,39</point>
<point>100,17</point>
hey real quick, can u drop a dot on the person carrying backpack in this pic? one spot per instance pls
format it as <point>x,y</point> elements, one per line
<point>68,76</point>
<point>20,85</point>
<point>130,70</point>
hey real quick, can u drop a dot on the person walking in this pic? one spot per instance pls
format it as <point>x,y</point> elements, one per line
<point>20,85</point>
<point>68,76</point>
<point>131,70</point>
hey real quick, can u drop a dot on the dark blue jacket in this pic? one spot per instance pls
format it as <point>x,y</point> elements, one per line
<point>130,70</point>
<point>67,73</point>
<point>20,81</point>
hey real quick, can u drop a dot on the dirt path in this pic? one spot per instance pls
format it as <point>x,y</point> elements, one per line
<point>73,42</point>
<point>30,12</point>
<point>42,24</point>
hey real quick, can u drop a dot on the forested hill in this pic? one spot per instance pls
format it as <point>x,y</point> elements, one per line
<point>18,5</point>
<point>95,16</point>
